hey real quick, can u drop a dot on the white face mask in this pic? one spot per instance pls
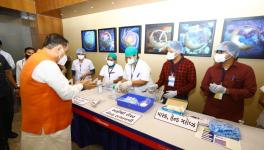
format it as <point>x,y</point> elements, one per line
<point>110,63</point>
<point>219,58</point>
<point>62,60</point>
<point>81,57</point>
<point>170,56</point>
<point>130,61</point>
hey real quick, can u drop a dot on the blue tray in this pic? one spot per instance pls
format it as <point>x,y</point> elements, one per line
<point>149,102</point>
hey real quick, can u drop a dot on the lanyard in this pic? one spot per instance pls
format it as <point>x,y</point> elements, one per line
<point>132,72</point>
<point>110,71</point>
<point>174,68</point>
<point>223,75</point>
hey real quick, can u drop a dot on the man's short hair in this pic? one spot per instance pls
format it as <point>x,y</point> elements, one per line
<point>53,40</point>
<point>28,48</point>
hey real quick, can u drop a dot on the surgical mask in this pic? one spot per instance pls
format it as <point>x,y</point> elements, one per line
<point>81,57</point>
<point>170,56</point>
<point>62,60</point>
<point>110,63</point>
<point>219,58</point>
<point>130,61</point>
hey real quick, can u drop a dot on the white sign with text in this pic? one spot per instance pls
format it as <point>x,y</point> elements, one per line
<point>122,115</point>
<point>182,121</point>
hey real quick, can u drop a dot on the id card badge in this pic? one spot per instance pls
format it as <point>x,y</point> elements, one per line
<point>218,96</point>
<point>171,81</point>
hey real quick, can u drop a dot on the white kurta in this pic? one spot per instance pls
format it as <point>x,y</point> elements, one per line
<point>19,66</point>
<point>8,58</point>
<point>82,68</point>
<point>111,73</point>
<point>48,72</point>
<point>140,72</point>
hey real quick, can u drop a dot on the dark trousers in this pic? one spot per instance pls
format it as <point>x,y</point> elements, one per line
<point>6,116</point>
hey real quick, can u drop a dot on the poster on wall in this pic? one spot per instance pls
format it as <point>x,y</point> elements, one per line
<point>89,40</point>
<point>248,34</point>
<point>129,36</point>
<point>197,37</point>
<point>107,40</point>
<point>156,37</point>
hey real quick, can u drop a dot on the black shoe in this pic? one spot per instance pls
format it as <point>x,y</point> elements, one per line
<point>12,135</point>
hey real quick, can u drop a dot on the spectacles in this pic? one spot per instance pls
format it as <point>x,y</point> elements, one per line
<point>219,51</point>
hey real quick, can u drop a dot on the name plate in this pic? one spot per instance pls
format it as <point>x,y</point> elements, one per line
<point>182,121</point>
<point>122,115</point>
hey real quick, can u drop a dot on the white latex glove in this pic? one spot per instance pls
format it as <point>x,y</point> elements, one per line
<point>108,83</point>
<point>170,94</point>
<point>126,85</point>
<point>215,88</point>
<point>118,87</point>
<point>152,87</point>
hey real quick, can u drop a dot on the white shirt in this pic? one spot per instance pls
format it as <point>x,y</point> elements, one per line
<point>19,66</point>
<point>82,68</point>
<point>48,72</point>
<point>262,89</point>
<point>111,73</point>
<point>8,58</point>
<point>140,72</point>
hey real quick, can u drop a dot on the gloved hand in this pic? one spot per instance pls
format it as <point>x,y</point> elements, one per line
<point>170,94</point>
<point>215,88</point>
<point>118,87</point>
<point>152,87</point>
<point>126,85</point>
<point>108,83</point>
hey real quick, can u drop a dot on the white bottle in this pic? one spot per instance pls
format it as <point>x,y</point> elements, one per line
<point>99,86</point>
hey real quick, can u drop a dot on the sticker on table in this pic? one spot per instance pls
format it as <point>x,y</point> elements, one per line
<point>182,121</point>
<point>122,115</point>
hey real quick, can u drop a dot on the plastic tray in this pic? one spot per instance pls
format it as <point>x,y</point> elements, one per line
<point>148,101</point>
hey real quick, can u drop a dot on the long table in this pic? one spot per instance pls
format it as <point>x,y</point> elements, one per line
<point>90,125</point>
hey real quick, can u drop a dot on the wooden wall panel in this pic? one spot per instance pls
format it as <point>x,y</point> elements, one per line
<point>47,5</point>
<point>47,25</point>
<point>21,5</point>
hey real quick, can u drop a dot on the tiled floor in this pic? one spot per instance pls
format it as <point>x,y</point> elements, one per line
<point>15,143</point>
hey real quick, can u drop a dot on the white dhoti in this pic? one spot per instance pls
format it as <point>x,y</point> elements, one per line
<point>60,140</point>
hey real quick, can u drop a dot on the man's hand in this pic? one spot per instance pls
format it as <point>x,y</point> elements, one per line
<point>88,84</point>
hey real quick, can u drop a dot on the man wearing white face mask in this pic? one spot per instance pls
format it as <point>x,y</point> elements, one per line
<point>227,83</point>
<point>178,75</point>
<point>111,72</point>
<point>82,68</point>
<point>46,98</point>
<point>136,73</point>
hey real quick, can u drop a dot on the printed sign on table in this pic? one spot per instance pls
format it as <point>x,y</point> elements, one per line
<point>182,121</point>
<point>122,115</point>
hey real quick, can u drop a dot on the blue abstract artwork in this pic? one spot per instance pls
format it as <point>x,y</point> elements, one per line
<point>197,37</point>
<point>248,34</point>
<point>89,40</point>
<point>107,40</point>
<point>129,36</point>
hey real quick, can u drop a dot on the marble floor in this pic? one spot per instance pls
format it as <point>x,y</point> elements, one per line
<point>15,143</point>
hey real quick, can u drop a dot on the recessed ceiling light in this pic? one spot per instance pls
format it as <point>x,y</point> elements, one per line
<point>91,7</point>
<point>113,3</point>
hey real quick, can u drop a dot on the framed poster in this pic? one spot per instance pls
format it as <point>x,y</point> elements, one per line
<point>248,34</point>
<point>107,40</point>
<point>197,37</point>
<point>129,36</point>
<point>156,37</point>
<point>89,40</point>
